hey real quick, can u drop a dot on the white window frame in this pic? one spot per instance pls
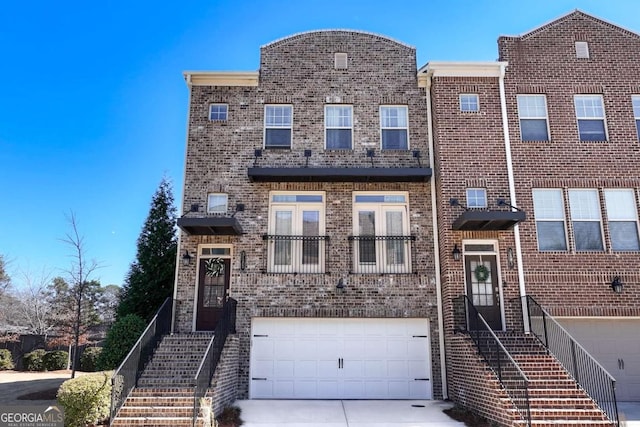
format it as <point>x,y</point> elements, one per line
<point>386,126</point>
<point>635,102</point>
<point>472,195</point>
<point>469,103</point>
<point>383,263</point>
<point>531,112</point>
<point>297,208</point>
<point>226,203</point>
<point>224,107</point>
<point>541,216</point>
<point>614,216</point>
<point>581,213</point>
<point>590,108</point>
<point>327,127</point>
<point>278,126</point>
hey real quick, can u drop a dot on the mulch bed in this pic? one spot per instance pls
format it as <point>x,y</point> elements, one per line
<point>467,417</point>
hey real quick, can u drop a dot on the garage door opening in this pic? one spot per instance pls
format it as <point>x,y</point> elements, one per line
<point>339,358</point>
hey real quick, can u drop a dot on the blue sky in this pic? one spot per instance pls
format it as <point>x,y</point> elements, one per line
<point>93,103</point>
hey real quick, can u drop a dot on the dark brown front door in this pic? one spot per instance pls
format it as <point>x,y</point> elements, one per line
<point>483,289</point>
<point>213,284</point>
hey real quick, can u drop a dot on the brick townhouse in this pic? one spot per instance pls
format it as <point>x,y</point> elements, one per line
<point>390,232</point>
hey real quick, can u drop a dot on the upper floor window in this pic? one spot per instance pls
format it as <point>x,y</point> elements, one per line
<point>338,123</point>
<point>469,103</point>
<point>217,203</point>
<point>278,120</point>
<point>476,198</point>
<point>532,111</point>
<point>218,112</point>
<point>394,126</point>
<point>622,215</point>
<point>381,240</point>
<point>296,241</point>
<point>548,209</point>
<point>584,206</point>
<point>590,115</point>
<point>635,99</point>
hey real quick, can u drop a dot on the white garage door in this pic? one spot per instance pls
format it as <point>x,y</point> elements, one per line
<point>615,343</point>
<point>313,358</point>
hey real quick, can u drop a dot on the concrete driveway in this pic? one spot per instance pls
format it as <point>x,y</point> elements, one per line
<point>345,413</point>
<point>14,384</point>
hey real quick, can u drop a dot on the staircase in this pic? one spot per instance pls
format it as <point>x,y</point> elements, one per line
<point>164,392</point>
<point>555,398</point>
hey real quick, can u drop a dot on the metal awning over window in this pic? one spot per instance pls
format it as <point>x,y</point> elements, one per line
<point>483,220</point>
<point>330,174</point>
<point>220,226</point>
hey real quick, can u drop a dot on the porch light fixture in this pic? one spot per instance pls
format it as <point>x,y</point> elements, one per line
<point>510,260</point>
<point>456,253</point>
<point>617,285</point>
<point>340,286</point>
<point>186,258</point>
<point>243,260</point>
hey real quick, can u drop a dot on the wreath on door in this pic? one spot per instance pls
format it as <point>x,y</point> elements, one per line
<point>481,272</point>
<point>214,267</point>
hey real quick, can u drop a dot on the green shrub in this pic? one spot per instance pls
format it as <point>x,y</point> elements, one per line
<point>121,337</point>
<point>55,360</point>
<point>6,361</point>
<point>89,359</point>
<point>85,399</point>
<point>33,361</point>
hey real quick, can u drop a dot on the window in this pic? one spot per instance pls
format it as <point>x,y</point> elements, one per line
<point>381,241</point>
<point>217,203</point>
<point>622,214</point>
<point>548,209</point>
<point>394,127</point>
<point>590,115</point>
<point>584,206</point>
<point>532,110</point>
<point>338,122</point>
<point>218,112</point>
<point>476,198</point>
<point>340,61</point>
<point>635,99</point>
<point>469,103</point>
<point>296,241</point>
<point>582,50</point>
<point>277,126</point>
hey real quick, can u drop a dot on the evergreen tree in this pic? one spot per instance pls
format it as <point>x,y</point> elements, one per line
<point>151,276</point>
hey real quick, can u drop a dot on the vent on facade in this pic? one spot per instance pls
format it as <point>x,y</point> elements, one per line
<point>340,62</point>
<point>582,50</point>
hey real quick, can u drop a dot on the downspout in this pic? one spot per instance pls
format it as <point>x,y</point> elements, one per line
<point>512,194</point>
<point>184,184</point>
<point>436,244</point>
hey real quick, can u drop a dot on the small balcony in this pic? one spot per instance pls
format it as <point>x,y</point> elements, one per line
<point>382,254</point>
<point>296,254</point>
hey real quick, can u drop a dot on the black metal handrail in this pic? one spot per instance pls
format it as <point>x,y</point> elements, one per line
<point>382,254</point>
<point>125,378</point>
<point>202,380</point>
<point>296,254</point>
<point>513,379</point>
<point>585,370</point>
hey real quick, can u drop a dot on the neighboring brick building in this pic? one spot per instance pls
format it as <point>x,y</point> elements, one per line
<point>308,198</point>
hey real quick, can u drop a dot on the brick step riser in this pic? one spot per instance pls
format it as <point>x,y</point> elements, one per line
<point>168,372</point>
<point>155,422</point>
<point>173,383</point>
<point>137,402</point>
<point>155,411</point>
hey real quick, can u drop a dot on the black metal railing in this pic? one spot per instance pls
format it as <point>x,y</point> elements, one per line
<point>587,372</point>
<point>125,378</point>
<point>382,254</point>
<point>512,378</point>
<point>202,380</point>
<point>296,254</point>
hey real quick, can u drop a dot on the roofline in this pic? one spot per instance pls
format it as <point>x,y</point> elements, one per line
<point>221,78</point>
<point>463,69</point>
<point>335,30</point>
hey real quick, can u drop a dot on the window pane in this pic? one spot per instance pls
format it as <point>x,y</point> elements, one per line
<point>587,236</point>
<point>282,248</point>
<point>624,236</point>
<point>547,204</point>
<point>278,138</point>
<point>532,106</point>
<point>635,100</point>
<point>476,198</point>
<point>591,130</point>
<point>469,103</point>
<point>638,127</point>
<point>366,247</point>
<point>589,106</point>
<point>620,204</point>
<point>394,139</point>
<point>395,248</point>
<point>279,116</point>
<point>551,236</point>
<point>534,130</point>
<point>310,227</point>
<point>584,205</point>
<point>218,112</point>
<point>338,139</point>
<point>217,203</point>
<point>394,117</point>
<point>338,117</point>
